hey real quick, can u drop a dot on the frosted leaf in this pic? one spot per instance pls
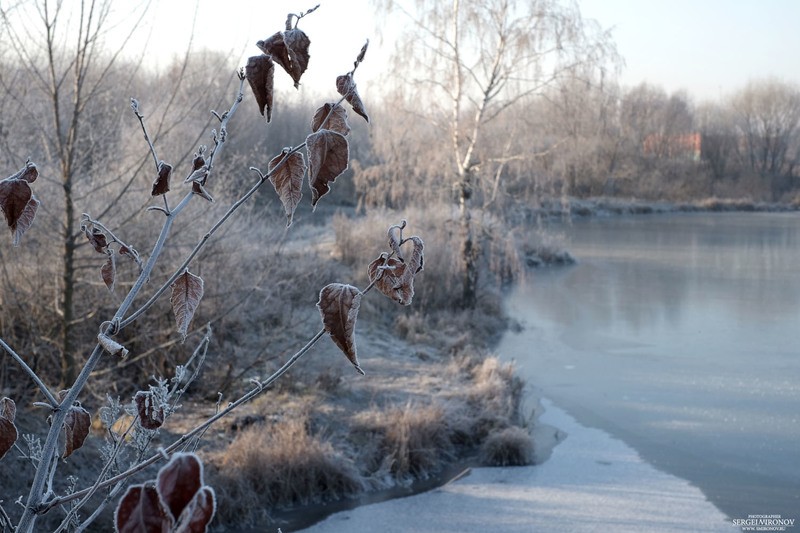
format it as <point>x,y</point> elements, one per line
<point>109,271</point>
<point>178,481</point>
<point>161,183</point>
<point>347,88</point>
<point>25,220</point>
<point>8,431</point>
<point>149,409</point>
<point>196,517</point>
<point>328,155</point>
<point>140,510</point>
<point>112,346</point>
<point>260,72</point>
<point>331,117</point>
<point>288,180</point>
<point>338,304</point>
<point>290,50</point>
<point>187,291</point>
<point>76,429</point>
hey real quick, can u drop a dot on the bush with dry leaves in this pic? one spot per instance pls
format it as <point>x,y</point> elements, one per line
<point>177,499</point>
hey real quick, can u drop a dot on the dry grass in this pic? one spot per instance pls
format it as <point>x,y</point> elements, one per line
<point>435,316</point>
<point>512,446</point>
<point>413,441</point>
<point>279,466</point>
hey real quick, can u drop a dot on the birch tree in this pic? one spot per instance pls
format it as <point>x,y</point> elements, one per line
<point>467,64</point>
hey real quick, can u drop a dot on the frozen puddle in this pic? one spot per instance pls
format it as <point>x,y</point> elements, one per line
<point>592,482</point>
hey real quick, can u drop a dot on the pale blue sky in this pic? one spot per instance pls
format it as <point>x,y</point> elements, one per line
<point>708,47</point>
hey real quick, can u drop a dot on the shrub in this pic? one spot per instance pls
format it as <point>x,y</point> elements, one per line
<point>279,465</point>
<point>512,446</point>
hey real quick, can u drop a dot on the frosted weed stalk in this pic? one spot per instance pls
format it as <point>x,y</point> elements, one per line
<point>178,499</point>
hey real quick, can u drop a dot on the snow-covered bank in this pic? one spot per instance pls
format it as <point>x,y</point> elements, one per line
<point>591,482</point>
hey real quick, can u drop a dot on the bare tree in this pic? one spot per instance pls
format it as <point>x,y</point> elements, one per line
<point>470,63</point>
<point>61,87</point>
<point>767,117</point>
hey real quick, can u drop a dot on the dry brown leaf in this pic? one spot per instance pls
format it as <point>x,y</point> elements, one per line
<point>140,511</point>
<point>288,180</point>
<point>25,220</point>
<point>199,513</point>
<point>260,72</point>
<point>151,416</point>
<point>187,291</point>
<point>394,276</point>
<point>96,238</point>
<point>76,429</point>
<point>331,117</point>
<point>199,190</point>
<point>14,197</point>
<point>290,50</point>
<point>28,173</point>
<point>161,183</point>
<point>338,304</point>
<point>178,481</point>
<point>392,279</point>
<point>328,155</point>
<point>112,346</point>
<point>416,261</point>
<point>346,86</point>
<point>8,436</point>
<point>8,431</point>
<point>8,409</point>
<point>109,272</point>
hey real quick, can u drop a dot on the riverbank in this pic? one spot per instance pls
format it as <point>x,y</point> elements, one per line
<point>592,482</point>
<point>551,208</point>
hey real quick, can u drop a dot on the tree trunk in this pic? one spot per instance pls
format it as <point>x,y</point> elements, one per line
<point>68,345</point>
<point>469,246</point>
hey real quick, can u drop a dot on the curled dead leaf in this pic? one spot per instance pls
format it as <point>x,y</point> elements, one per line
<point>96,238</point>
<point>28,173</point>
<point>338,305</point>
<point>14,197</point>
<point>8,409</point>
<point>25,220</point>
<point>112,346</point>
<point>331,117</point>
<point>290,50</point>
<point>260,73</point>
<point>8,430</point>
<point>328,156</point>
<point>288,180</point>
<point>76,429</point>
<point>346,86</point>
<point>161,183</point>
<point>199,190</point>
<point>109,271</point>
<point>394,276</point>
<point>151,416</point>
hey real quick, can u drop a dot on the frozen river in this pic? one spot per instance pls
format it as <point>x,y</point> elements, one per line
<point>679,334</point>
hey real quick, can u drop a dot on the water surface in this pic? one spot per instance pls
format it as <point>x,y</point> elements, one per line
<point>679,334</point>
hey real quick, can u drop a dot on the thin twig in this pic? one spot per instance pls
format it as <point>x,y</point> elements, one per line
<point>51,399</point>
<point>135,107</point>
<point>260,388</point>
<point>204,239</point>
